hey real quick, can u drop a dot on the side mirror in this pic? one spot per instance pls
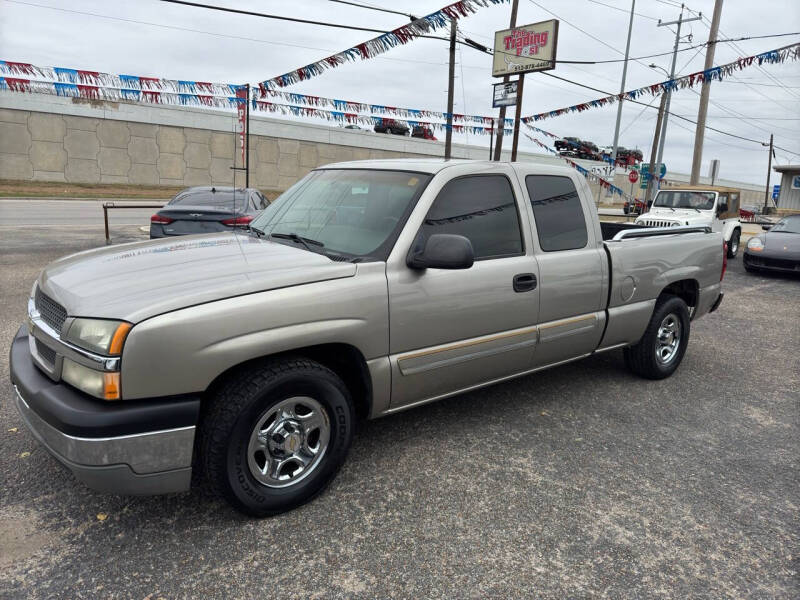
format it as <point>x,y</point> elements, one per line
<point>443,251</point>
<point>766,227</point>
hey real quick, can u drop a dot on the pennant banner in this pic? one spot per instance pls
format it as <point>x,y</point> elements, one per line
<point>369,120</point>
<point>120,94</point>
<point>129,82</point>
<point>791,52</point>
<point>353,106</point>
<point>383,43</point>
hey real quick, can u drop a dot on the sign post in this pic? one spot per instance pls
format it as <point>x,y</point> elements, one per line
<point>521,50</point>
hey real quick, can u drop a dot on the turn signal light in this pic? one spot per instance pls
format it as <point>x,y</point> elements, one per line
<point>238,221</point>
<point>160,219</point>
<point>111,386</point>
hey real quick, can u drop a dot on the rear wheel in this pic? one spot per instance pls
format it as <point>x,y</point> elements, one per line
<point>660,351</point>
<point>733,244</point>
<point>275,435</point>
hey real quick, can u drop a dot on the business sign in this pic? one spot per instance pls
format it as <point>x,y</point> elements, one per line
<point>526,48</point>
<point>776,189</point>
<point>241,123</point>
<point>505,94</point>
<point>795,182</point>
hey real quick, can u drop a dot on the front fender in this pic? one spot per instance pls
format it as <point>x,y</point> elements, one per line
<point>183,351</point>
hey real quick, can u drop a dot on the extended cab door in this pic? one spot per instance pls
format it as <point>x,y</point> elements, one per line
<point>572,268</point>
<point>454,329</point>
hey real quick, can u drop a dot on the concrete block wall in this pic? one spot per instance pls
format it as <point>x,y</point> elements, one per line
<point>48,138</point>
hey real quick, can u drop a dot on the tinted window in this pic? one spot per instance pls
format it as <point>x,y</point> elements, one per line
<point>558,213</point>
<point>482,209</point>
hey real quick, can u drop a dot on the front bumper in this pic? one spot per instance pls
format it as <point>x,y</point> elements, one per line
<point>139,447</point>
<point>771,263</point>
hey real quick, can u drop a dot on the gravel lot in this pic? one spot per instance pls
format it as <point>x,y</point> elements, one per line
<point>580,481</point>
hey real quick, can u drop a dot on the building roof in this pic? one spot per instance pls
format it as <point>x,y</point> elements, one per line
<point>786,168</point>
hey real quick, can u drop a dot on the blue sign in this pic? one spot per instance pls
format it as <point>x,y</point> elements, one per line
<point>776,190</point>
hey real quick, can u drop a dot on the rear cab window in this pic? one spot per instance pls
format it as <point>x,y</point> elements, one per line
<point>481,208</point>
<point>557,211</point>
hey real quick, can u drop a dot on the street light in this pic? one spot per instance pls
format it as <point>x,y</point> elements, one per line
<point>655,66</point>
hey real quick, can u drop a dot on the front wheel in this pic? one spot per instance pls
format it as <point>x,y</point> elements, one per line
<point>733,244</point>
<point>661,349</point>
<point>275,435</point>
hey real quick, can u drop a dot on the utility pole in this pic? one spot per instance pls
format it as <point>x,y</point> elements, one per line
<point>704,93</point>
<point>622,89</point>
<point>769,172</point>
<point>247,140</point>
<point>498,146</point>
<point>491,139</point>
<point>648,193</point>
<point>515,142</point>
<point>448,136</point>
<point>679,22</point>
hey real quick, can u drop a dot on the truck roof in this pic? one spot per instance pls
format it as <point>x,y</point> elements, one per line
<point>701,188</point>
<point>434,165</point>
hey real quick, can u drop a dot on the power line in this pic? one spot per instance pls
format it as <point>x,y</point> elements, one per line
<point>251,13</point>
<point>622,10</point>
<point>212,33</point>
<point>643,104</point>
<point>378,8</point>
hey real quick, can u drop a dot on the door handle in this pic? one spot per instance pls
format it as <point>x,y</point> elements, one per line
<point>524,282</point>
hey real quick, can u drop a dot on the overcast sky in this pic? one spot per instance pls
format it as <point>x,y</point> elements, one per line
<point>151,38</point>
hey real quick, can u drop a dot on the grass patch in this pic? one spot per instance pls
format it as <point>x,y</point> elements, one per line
<point>54,189</point>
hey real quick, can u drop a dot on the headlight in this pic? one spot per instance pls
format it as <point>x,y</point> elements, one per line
<point>98,335</point>
<point>755,244</point>
<point>95,383</point>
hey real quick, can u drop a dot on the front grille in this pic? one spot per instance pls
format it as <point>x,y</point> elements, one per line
<point>657,223</point>
<point>775,263</point>
<point>47,353</point>
<point>51,311</point>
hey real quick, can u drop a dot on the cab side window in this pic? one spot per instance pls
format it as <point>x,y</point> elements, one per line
<point>482,208</point>
<point>560,222</point>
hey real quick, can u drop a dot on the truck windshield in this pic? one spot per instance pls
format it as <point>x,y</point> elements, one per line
<point>354,212</point>
<point>685,199</point>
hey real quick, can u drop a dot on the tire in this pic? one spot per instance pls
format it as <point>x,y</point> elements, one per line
<point>625,209</point>
<point>260,419</point>
<point>652,358</point>
<point>733,243</point>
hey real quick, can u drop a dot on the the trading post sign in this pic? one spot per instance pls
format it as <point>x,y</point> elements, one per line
<point>525,48</point>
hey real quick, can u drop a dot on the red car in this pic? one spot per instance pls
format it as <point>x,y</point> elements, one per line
<point>637,207</point>
<point>425,133</point>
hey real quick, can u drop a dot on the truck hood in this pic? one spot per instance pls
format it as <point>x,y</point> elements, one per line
<point>680,216</point>
<point>139,280</point>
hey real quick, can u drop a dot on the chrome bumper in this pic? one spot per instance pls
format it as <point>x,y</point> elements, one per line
<point>157,462</point>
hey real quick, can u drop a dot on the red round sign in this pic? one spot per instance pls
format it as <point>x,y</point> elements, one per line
<point>633,176</point>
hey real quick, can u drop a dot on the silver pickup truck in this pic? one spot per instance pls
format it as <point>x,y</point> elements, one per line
<point>365,289</point>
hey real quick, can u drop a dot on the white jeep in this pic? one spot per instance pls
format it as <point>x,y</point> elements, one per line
<point>714,206</point>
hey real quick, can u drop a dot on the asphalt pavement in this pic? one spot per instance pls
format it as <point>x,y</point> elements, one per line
<point>72,213</point>
<point>579,481</point>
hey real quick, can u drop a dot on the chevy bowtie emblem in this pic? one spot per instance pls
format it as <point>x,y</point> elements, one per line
<point>195,214</point>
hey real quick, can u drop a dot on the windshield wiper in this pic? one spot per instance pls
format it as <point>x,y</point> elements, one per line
<point>259,232</point>
<point>299,239</point>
